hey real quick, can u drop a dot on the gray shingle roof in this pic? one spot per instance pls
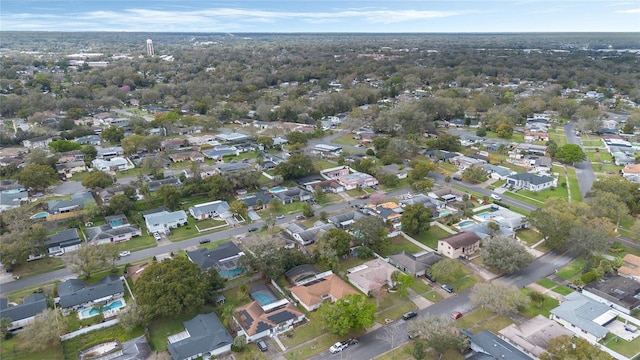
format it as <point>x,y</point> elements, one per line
<point>216,207</point>
<point>206,334</point>
<point>206,258</point>
<point>532,178</point>
<point>495,346</point>
<point>64,238</point>
<point>32,305</point>
<point>76,200</point>
<point>580,311</point>
<point>75,292</point>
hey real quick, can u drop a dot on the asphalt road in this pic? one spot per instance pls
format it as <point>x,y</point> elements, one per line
<point>584,170</point>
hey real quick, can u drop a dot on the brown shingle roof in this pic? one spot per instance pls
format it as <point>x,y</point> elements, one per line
<point>464,238</point>
<point>311,294</point>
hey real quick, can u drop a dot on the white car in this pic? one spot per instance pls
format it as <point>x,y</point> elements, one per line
<point>496,197</point>
<point>280,217</point>
<point>157,236</point>
<point>125,253</point>
<point>337,347</point>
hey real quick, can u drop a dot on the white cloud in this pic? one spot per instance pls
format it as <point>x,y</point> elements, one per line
<point>629,11</point>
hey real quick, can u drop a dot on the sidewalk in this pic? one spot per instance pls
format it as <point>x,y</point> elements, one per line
<point>544,291</point>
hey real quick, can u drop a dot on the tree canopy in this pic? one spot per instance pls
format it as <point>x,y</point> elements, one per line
<point>416,219</point>
<point>570,348</point>
<point>353,312</point>
<point>370,231</point>
<point>440,333</point>
<point>297,166</point>
<point>98,180</point>
<point>498,297</point>
<point>570,154</point>
<point>37,177</point>
<point>505,254</point>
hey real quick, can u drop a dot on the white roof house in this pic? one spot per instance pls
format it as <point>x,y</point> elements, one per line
<point>163,221</point>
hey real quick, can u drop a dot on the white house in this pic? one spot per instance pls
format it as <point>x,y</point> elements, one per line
<point>210,210</point>
<point>113,164</point>
<point>162,221</point>
<point>531,182</point>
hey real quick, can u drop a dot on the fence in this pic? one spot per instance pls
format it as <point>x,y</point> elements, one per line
<point>83,331</point>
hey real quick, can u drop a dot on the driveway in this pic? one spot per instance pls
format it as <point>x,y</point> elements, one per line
<point>584,170</point>
<point>69,188</point>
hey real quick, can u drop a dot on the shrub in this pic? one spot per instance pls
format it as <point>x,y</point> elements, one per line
<point>588,277</point>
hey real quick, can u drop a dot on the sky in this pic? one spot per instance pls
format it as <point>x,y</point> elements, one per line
<point>321,16</point>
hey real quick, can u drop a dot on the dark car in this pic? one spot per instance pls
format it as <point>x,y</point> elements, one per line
<point>574,287</point>
<point>262,346</point>
<point>430,277</point>
<point>409,315</point>
<point>252,229</point>
<point>204,241</point>
<point>353,341</point>
<point>447,288</point>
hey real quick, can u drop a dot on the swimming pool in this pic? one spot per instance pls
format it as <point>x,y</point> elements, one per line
<point>444,213</point>
<point>277,189</point>
<point>231,272</point>
<point>465,223</point>
<point>484,215</point>
<point>264,298</point>
<point>40,215</point>
<point>86,313</point>
<point>116,223</point>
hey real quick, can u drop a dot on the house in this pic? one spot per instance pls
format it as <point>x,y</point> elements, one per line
<point>389,211</point>
<point>188,155</point>
<point>336,172</point>
<point>331,186</point>
<point>12,198</point>
<point>618,292</point>
<point>490,346</point>
<point>154,185</point>
<point>77,202</point>
<point>504,217</point>
<point>583,316</point>
<point>70,168</point>
<point>631,267</point>
<point>463,162</point>
<point>294,194</point>
<point>223,258</point>
<point>537,164</point>
<point>232,138</point>
<point>531,182</point>
<point>483,230</point>
<point>70,156</point>
<point>267,315</point>
<point>533,335</point>
<point>327,150</point>
<point>204,336</point>
<point>526,148</point>
<point>115,163</point>
<point>395,169</point>
<point>306,236</point>
<point>105,195</point>
<point>13,152</point>
<point>63,242</point>
<point>233,167</point>
<point>440,155</point>
<point>214,209</point>
<point>414,264</point>
<point>301,273</point>
<point>41,142</point>
<point>357,179</point>
<point>342,221</point>
<point>109,152</point>
<point>324,287</point>
<point>116,229</point>
<point>447,194</point>
<point>256,201</point>
<point>498,172</point>
<point>75,294</point>
<point>464,243</point>
<point>173,144</point>
<point>24,313</point>
<point>161,220</point>
<point>218,152</point>
<point>531,136</point>
<point>428,202</point>
<point>89,140</point>
<point>630,171</point>
<point>371,276</point>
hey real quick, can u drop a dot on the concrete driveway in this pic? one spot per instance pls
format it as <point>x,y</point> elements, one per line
<point>69,188</point>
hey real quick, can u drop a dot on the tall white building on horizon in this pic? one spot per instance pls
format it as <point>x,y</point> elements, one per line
<point>150,51</point>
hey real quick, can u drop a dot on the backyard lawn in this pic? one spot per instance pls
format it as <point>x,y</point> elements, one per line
<point>38,266</point>
<point>626,348</point>
<point>10,350</point>
<point>399,244</point>
<point>73,346</point>
<point>532,309</point>
<point>431,237</point>
<point>160,329</point>
<point>346,139</point>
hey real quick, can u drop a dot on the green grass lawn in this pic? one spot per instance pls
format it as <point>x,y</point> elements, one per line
<point>494,324</point>
<point>530,237</point>
<point>346,139</point>
<point>162,328</point>
<point>73,346</point>
<point>562,290</point>
<point>433,296</point>
<point>626,348</point>
<point>138,243</point>
<point>547,283</point>
<point>38,266</point>
<point>209,223</point>
<point>10,350</point>
<point>531,310</point>
<point>398,244</point>
<point>395,312</point>
<point>573,184</point>
<point>572,269</point>
<point>419,286</point>
<point>318,345</point>
<point>320,164</point>
<point>431,237</point>
<point>473,318</point>
<point>464,283</point>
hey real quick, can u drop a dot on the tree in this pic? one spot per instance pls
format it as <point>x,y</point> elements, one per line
<point>481,131</point>
<point>505,254</point>
<point>536,298</point>
<point>131,317</point>
<point>371,231</point>
<point>89,258</point>
<point>64,145</point>
<point>319,194</point>
<point>392,334</point>
<point>238,208</point>
<point>46,328</point>
<point>445,141</point>
<point>474,175</point>
<point>37,177</point>
<point>113,134</point>
<point>423,185</point>
<point>504,130</point>
<point>218,187</point>
<point>440,333</point>
<point>98,180</point>
<point>121,204</point>
<point>591,237</point>
<point>5,325</point>
<point>307,210</point>
<point>555,219</point>
<point>170,196</point>
<point>401,281</point>
<point>353,312</point>
<point>296,137</point>
<point>171,286</point>
<point>421,169</point>
<point>498,297</point>
<point>569,348</point>
<point>608,205</point>
<point>416,219</point>
<point>297,166</point>
<point>570,154</point>
<point>334,242</point>
<point>131,144</point>
<point>447,271</point>
<point>552,148</point>
<point>267,256</point>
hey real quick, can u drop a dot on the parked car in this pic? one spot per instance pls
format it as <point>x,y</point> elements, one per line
<point>456,315</point>
<point>124,253</point>
<point>280,217</point>
<point>430,277</point>
<point>262,346</point>
<point>447,288</point>
<point>204,241</point>
<point>252,229</point>
<point>413,334</point>
<point>300,217</point>
<point>496,197</point>
<point>574,287</point>
<point>341,345</point>
<point>457,177</point>
<point>157,236</point>
<point>365,196</point>
<point>409,315</point>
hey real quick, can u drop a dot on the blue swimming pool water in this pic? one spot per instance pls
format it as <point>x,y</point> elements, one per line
<point>465,223</point>
<point>484,215</point>
<point>264,298</point>
<point>93,312</point>
<point>231,273</point>
<point>444,213</point>
<point>116,223</point>
<point>40,215</point>
<point>277,189</point>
